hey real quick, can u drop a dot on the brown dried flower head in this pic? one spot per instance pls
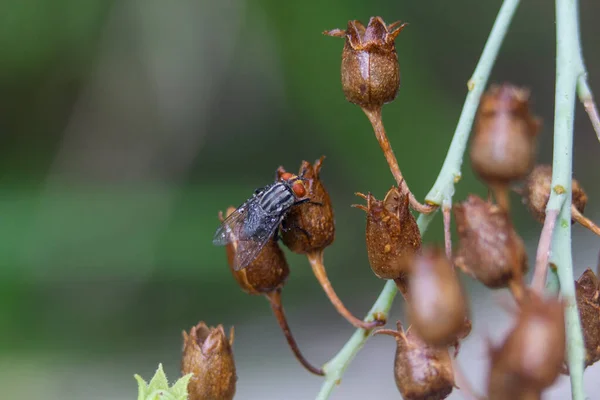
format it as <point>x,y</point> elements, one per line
<point>391,233</point>
<point>436,304</point>
<point>370,71</point>
<point>587,289</point>
<point>266,273</point>
<point>309,227</point>
<point>533,353</point>
<point>490,250</point>
<point>503,146</point>
<point>207,354</point>
<point>421,371</point>
<point>537,192</point>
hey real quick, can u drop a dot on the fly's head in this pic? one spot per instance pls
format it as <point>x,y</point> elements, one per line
<point>295,183</point>
<point>308,227</point>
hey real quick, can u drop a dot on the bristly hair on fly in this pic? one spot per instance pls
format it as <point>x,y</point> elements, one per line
<point>255,222</point>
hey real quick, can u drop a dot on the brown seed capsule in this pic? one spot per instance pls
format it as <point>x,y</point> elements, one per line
<point>503,145</point>
<point>421,371</point>
<point>370,71</point>
<point>490,249</point>
<point>587,289</point>
<point>266,273</point>
<point>391,233</point>
<point>207,354</point>
<point>436,304</point>
<point>310,226</point>
<point>524,359</point>
<point>537,192</point>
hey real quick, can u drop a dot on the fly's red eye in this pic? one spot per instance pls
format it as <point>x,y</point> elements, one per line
<point>299,189</point>
<point>286,176</point>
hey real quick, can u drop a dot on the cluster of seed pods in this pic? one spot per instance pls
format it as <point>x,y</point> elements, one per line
<point>502,152</point>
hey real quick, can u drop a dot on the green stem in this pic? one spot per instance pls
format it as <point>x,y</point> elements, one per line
<point>443,187</point>
<point>450,173</point>
<point>552,284</point>
<point>336,367</point>
<point>567,73</point>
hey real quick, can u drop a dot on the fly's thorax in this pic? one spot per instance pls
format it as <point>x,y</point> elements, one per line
<point>277,198</point>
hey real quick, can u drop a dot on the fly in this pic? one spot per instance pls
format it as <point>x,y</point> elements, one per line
<point>255,222</point>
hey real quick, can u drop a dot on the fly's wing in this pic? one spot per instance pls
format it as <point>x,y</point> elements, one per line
<point>247,250</point>
<point>247,245</point>
<point>231,227</point>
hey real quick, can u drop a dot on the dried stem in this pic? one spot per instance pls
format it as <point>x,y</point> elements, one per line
<point>584,221</point>
<point>275,300</point>
<point>501,193</point>
<point>316,262</point>
<point>444,186</point>
<point>586,97</point>
<point>446,213</point>
<point>374,115</point>
<point>540,273</point>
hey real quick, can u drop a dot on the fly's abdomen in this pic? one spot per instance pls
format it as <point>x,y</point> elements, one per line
<point>255,222</point>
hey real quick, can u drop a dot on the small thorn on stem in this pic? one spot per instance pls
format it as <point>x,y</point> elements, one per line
<point>316,262</point>
<point>275,300</point>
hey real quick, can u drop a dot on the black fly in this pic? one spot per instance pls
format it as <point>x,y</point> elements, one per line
<point>255,222</point>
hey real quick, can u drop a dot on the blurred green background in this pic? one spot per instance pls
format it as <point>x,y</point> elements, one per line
<point>126,125</point>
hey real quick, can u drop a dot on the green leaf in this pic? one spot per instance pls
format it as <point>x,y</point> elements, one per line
<point>158,388</point>
<point>179,388</point>
<point>159,381</point>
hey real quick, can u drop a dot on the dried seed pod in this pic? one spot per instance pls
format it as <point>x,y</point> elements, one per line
<point>436,304</point>
<point>370,71</point>
<point>490,250</point>
<point>524,358</point>
<point>207,354</point>
<point>310,226</point>
<point>421,371</point>
<point>506,386</point>
<point>587,289</point>
<point>391,233</point>
<point>537,192</point>
<point>266,273</point>
<point>503,145</point>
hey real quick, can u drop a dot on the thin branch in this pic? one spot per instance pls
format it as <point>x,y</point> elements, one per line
<point>374,116</point>
<point>316,262</point>
<point>586,97</point>
<point>567,73</point>
<point>543,252</point>
<point>335,368</point>
<point>444,186</point>
<point>447,215</point>
<point>584,221</point>
<point>275,300</point>
<point>450,173</point>
<point>583,88</point>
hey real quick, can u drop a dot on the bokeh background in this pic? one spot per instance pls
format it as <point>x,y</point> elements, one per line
<point>126,125</point>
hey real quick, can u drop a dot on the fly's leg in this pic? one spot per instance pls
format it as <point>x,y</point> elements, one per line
<point>286,228</point>
<point>309,201</point>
